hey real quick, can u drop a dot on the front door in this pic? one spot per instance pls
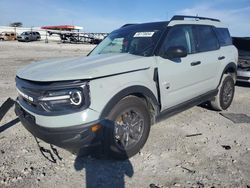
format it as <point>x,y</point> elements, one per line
<point>182,79</point>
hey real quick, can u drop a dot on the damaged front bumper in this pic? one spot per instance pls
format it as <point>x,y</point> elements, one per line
<point>74,138</point>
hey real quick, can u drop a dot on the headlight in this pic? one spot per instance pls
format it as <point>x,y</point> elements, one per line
<point>65,99</point>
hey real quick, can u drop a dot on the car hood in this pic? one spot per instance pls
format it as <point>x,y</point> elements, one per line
<point>82,67</point>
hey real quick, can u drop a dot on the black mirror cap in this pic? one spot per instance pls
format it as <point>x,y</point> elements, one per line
<point>175,52</point>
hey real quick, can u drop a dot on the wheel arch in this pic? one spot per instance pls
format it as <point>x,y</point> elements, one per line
<point>138,91</point>
<point>230,68</point>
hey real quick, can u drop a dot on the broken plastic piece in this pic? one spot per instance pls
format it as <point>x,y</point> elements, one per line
<point>236,118</point>
<point>226,147</point>
<point>43,151</point>
<point>153,186</point>
<point>197,134</point>
<point>191,171</point>
<point>5,107</point>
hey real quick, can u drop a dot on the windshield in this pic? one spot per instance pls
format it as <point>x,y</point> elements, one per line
<point>139,39</point>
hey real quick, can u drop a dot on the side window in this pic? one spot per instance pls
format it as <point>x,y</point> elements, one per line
<point>223,36</point>
<point>206,39</point>
<point>179,36</point>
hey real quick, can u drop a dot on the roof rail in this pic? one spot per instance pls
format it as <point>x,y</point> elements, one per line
<point>182,17</point>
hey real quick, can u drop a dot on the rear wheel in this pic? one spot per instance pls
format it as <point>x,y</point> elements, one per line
<point>131,128</point>
<point>225,94</point>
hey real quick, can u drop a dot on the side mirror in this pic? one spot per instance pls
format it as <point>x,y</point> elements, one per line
<point>175,52</point>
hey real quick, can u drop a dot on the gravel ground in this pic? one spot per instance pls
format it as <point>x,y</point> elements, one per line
<point>169,158</point>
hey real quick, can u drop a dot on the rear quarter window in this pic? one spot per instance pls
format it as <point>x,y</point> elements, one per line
<point>223,36</point>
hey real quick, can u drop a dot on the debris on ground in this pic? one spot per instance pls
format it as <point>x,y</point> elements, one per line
<point>190,171</point>
<point>237,118</point>
<point>226,147</point>
<point>153,186</point>
<point>196,134</point>
<point>5,107</point>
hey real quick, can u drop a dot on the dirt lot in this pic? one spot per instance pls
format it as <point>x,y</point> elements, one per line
<point>169,158</point>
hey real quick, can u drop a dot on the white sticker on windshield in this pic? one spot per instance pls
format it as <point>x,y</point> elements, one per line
<point>144,34</point>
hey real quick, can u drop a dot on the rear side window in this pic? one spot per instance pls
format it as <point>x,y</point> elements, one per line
<point>223,36</point>
<point>206,39</point>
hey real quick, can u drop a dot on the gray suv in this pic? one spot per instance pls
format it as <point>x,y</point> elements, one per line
<point>29,36</point>
<point>137,74</point>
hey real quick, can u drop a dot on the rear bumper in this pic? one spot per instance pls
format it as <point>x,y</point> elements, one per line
<point>73,138</point>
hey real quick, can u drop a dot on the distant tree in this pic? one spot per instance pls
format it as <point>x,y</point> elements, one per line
<point>16,24</point>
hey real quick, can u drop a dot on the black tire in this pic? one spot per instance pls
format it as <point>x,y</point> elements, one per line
<point>225,94</point>
<point>131,108</point>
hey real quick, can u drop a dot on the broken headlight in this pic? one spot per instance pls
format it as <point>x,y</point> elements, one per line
<point>64,100</point>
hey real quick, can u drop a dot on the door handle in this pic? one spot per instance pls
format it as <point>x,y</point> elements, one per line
<point>195,63</point>
<point>221,57</point>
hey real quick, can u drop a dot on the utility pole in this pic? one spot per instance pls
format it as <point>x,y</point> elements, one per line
<point>46,37</point>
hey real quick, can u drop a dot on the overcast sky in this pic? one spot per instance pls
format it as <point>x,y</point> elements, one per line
<point>107,15</point>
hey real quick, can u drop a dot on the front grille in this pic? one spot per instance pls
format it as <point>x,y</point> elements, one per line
<point>28,97</point>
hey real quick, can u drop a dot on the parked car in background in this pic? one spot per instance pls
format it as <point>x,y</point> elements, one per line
<point>29,36</point>
<point>6,35</point>
<point>243,70</point>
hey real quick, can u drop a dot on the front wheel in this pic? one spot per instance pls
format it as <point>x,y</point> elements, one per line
<point>131,128</point>
<point>225,94</point>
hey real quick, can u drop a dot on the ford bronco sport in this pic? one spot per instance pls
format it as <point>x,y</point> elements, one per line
<point>111,97</point>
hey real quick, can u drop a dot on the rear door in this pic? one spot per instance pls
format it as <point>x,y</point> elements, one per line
<point>33,36</point>
<point>207,48</point>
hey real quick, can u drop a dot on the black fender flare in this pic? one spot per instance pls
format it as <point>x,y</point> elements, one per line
<point>230,67</point>
<point>132,90</point>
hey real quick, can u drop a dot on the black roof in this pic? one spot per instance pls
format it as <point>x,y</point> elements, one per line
<point>145,26</point>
